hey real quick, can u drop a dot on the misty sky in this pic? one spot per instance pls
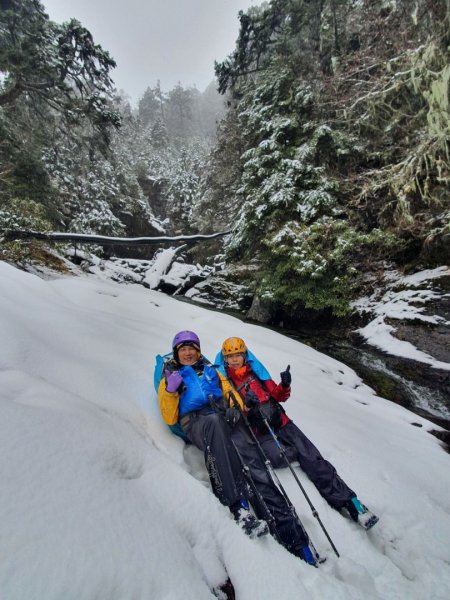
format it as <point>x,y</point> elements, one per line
<point>170,40</point>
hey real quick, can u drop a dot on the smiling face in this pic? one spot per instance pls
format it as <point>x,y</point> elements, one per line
<point>235,361</point>
<point>188,355</point>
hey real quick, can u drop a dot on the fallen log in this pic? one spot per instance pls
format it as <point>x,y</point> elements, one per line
<point>9,235</point>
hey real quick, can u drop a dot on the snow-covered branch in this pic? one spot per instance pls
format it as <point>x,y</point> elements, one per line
<point>9,235</point>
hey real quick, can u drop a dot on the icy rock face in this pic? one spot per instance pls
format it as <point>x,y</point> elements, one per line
<point>258,312</point>
<point>218,292</point>
<point>431,337</point>
<point>409,321</point>
<point>230,289</point>
<point>413,312</point>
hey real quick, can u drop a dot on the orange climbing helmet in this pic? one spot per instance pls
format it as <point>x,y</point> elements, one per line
<point>233,345</point>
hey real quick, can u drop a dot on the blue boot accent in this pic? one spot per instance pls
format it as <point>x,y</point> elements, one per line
<point>359,507</point>
<point>308,556</point>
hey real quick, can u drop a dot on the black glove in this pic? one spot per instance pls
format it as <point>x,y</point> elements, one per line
<point>270,411</point>
<point>251,399</point>
<point>232,416</point>
<point>286,377</point>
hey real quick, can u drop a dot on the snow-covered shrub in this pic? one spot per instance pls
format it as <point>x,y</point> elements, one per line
<point>315,266</point>
<point>19,213</point>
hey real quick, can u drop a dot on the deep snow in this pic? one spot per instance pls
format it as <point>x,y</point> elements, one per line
<point>99,501</point>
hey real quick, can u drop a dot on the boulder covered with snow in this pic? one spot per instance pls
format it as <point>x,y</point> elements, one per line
<point>229,289</point>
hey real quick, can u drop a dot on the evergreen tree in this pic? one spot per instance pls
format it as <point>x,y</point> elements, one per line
<point>150,107</point>
<point>56,64</point>
<point>342,141</point>
<point>211,109</point>
<point>217,202</point>
<point>55,83</point>
<point>180,112</point>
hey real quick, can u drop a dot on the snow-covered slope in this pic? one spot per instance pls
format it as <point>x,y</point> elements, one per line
<point>99,501</point>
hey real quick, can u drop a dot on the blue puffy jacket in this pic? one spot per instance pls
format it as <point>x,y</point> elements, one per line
<point>198,386</point>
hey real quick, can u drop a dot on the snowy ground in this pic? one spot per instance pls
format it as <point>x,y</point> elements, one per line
<point>99,501</point>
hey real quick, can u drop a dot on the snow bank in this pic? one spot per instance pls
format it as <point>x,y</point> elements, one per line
<point>99,501</point>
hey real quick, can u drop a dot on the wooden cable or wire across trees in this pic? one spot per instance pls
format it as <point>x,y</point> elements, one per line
<point>103,240</point>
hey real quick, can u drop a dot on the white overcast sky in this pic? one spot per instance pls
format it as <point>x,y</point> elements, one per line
<point>170,40</point>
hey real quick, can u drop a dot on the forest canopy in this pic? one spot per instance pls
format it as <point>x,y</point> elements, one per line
<point>327,155</point>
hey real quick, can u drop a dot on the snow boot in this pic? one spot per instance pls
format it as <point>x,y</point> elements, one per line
<point>252,526</point>
<point>360,513</point>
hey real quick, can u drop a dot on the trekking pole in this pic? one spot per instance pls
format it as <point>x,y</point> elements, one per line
<point>268,517</point>
<point>272,473</point>
<point>286,460</point>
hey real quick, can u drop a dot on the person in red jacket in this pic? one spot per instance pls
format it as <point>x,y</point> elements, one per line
<point>263,398</point>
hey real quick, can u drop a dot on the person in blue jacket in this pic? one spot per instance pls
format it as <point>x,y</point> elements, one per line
<point>191,394</point>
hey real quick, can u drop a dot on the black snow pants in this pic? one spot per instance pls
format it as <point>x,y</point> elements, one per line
<point>321,472</point>
<point>211,434</point>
